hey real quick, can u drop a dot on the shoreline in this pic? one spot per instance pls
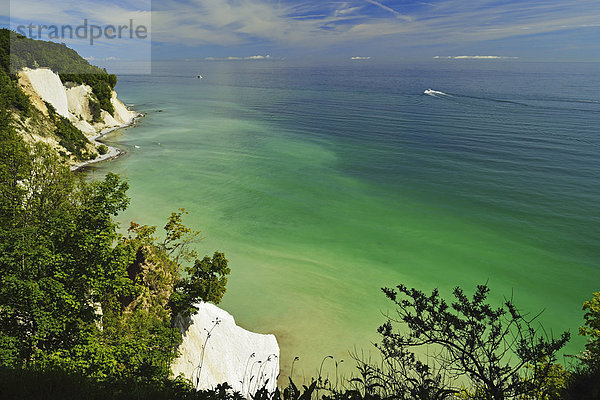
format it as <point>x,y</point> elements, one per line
<point>113,152</point>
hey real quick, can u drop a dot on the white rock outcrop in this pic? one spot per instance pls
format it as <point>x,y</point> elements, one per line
<point>78,99</point>
<point>123,115</point>
<point>49,87</point>
<point>215,350</point>
<point>79,107</point>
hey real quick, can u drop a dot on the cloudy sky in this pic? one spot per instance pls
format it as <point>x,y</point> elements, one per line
<point>318,29</point>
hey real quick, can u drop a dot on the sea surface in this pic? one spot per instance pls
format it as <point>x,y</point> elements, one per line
<point>324,184</point>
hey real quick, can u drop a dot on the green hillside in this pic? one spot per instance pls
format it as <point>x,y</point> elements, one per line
<point>11,97</point>
<point>25,52</point>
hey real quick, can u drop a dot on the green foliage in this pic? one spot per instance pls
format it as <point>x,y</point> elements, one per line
<point>291,392</point>
<point>71,138</point>
<point>12,97</point>
<point>553,381</point>
<point>14,167</point>
<point>58,255</point>
<point>470,340</point>
<point>584,381</point>
<point>102,149</point>
<point>103,92</point>
<point>206,281</point>
<point>59,385</point>
<point>112,80</point>
<point>24,52</point>
<point>102,85</point>
<point>75,296</point>
<point>178,237</point>
<point>95,109</point>
<point>591,330</point>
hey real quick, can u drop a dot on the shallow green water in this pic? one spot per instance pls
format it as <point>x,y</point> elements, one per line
<point>323,185</point>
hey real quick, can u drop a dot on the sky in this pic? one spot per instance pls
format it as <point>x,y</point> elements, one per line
<point>314,30</point>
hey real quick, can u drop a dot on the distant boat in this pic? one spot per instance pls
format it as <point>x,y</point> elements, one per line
<point>136,146</point>
<point>436,93</point>
<point>199,76</point>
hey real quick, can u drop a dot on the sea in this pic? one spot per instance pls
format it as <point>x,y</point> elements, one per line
<point>323,184</point>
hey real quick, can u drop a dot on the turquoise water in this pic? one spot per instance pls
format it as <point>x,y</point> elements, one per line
<point>323,184</point>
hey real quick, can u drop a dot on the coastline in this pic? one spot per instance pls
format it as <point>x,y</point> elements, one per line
<point>113,152</point>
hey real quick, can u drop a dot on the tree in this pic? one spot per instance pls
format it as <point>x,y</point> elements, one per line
<point>189,279</point>
<point>206,281</point>
<point>468,341</point>
<point>584,381</point>
<point>59,253</point>
<point>75,295</point>
<point>591,330</point>
<point>178,238</point>
<point>16,162</point>
<point>553,381</point>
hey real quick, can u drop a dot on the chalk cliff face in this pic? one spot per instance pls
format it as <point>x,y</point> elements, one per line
<point>48,87</point>
<point>79,108</point>
<point>216,350</point>
<point>72,101</point>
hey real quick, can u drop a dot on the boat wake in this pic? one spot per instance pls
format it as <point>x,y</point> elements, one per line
<point>436,93</point>
<point>540,103</point>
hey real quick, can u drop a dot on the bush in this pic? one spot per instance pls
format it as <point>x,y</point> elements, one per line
<point>59,385</point>
<point>71,138</point>
<point>11,96</point>
<point>102,149</point>
<point>101,84</point>
<point>584,382</point>
<point>62,259</point>
<point>497,351</point>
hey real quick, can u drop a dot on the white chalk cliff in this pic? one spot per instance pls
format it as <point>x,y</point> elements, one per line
<point>49,88</point>
<point>72,101</point>
<point>215,350</point>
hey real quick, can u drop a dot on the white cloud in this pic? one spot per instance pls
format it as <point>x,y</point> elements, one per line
<point>75,12</point>
<point>346,11</point>
<point>476,57</point>
<point>319,24</point>
<point>111,58</point>
<point>311,23</point>
<point>360,58</point>
<point>386,8</point>
<point>231,58</point>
